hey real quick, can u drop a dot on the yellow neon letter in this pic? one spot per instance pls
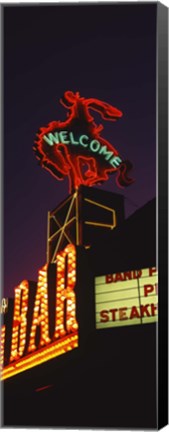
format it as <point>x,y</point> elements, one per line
<point>65,295</point>
<point>19,320</point>
<point>2,343</point>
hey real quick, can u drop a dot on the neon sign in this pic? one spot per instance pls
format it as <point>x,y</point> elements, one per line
<point>75,148</point>
<point>94,146</point>
<point>25,351</point>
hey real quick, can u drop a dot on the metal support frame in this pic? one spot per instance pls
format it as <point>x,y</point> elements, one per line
<point>61,229</point>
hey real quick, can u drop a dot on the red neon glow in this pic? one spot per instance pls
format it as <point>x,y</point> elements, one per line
<point>77,161</point>
<point>43,388</point>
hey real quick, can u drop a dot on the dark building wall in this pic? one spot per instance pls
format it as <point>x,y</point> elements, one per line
<point>8,318</point>
<point>130,246</point>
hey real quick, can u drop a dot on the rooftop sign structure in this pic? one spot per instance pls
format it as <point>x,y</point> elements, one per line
<point>75,148</point>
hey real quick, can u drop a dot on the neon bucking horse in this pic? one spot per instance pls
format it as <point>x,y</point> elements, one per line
<point>75,148</point>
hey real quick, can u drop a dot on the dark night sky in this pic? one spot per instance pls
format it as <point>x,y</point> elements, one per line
<point>107,52</point>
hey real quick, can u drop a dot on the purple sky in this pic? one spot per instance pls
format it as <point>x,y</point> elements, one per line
<point>105,52</point>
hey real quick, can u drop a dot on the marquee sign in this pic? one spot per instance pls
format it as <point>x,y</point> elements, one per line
<point>126,298</point>
<point>26,349</point>
<point>75,148</point>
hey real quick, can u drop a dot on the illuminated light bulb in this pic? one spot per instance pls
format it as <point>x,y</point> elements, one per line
<point>19,319</point>
<point>2,346</point>
<point>75,326</point>
<point>66,292</point>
